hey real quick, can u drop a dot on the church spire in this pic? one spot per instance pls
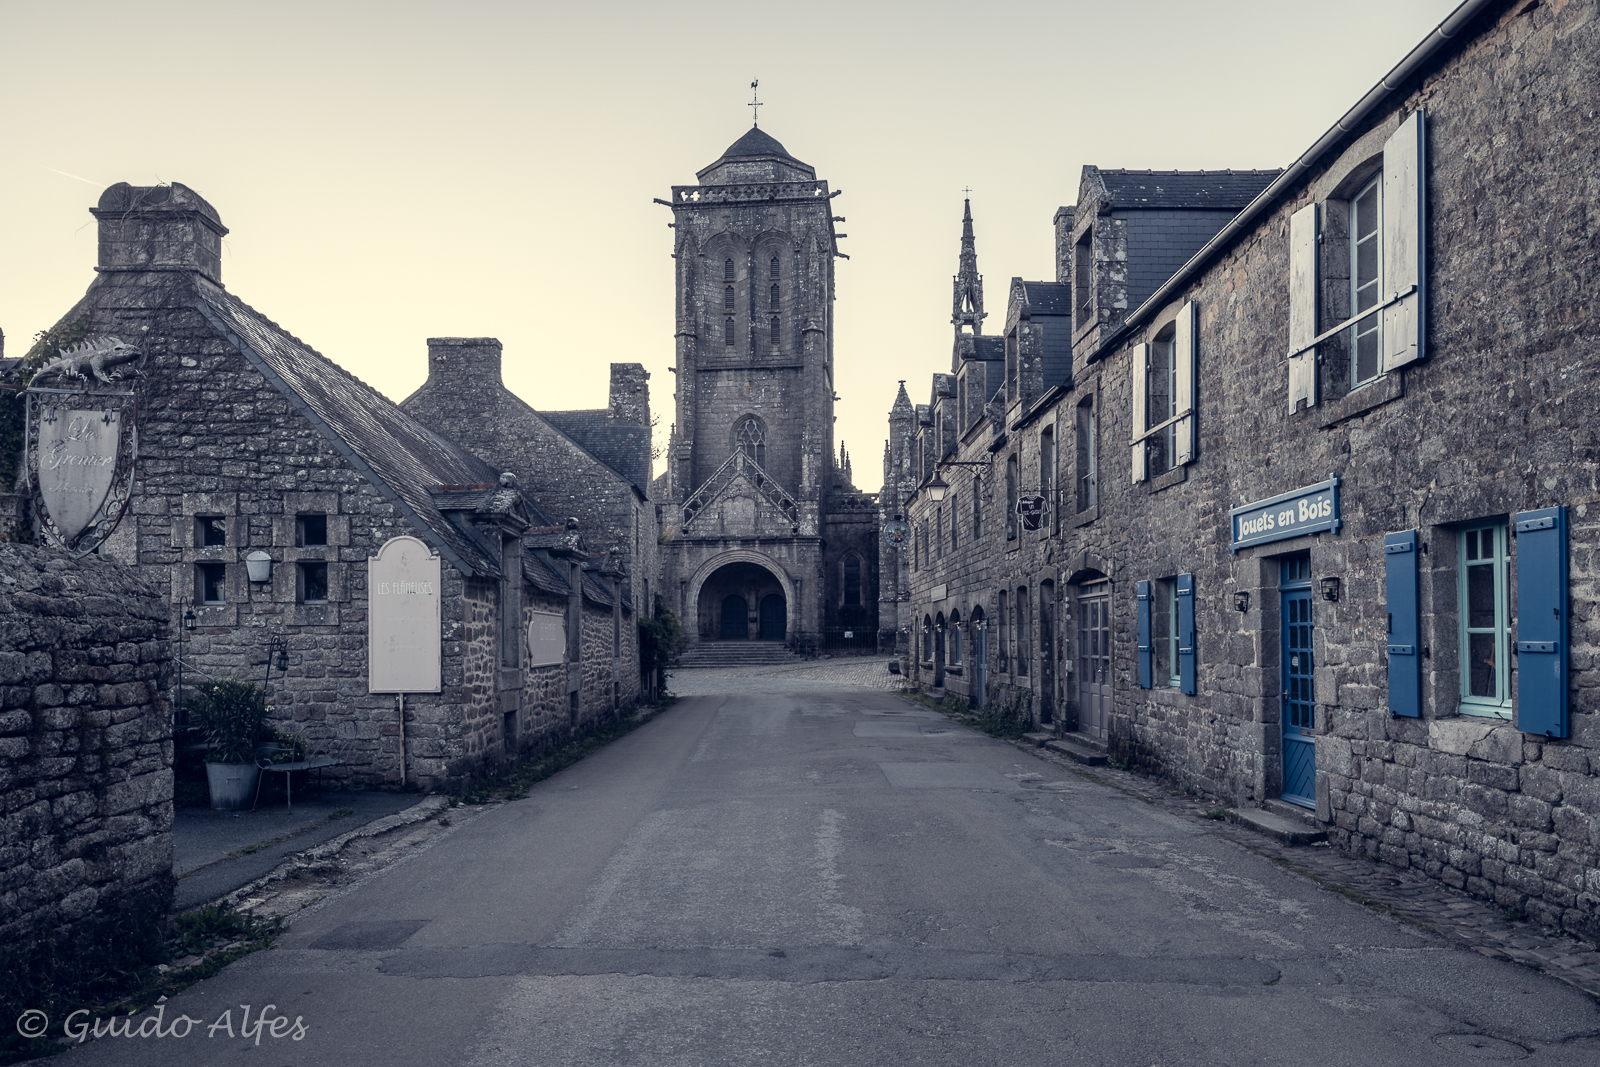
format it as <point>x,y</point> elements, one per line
<point>968,310</point>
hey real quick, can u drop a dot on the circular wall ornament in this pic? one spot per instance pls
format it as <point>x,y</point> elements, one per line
<point>896,533</point>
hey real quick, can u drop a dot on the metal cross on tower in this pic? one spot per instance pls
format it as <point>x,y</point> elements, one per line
<point>755,116</point>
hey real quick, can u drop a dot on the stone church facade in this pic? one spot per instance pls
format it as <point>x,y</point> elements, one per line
<point>763,535</point>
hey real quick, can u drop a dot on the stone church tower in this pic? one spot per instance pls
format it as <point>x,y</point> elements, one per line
<point>764,537</point>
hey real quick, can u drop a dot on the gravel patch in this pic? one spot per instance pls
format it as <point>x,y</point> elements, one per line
<point>856,672</point>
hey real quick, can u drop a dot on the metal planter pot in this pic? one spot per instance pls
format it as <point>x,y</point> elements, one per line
<point>232,784</point>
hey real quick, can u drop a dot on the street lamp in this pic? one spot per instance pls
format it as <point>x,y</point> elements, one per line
<point>188,626</point>
<point>937,488</point>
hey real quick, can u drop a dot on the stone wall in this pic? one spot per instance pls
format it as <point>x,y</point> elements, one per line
<point>1496,420</point>
<point>85,743</point>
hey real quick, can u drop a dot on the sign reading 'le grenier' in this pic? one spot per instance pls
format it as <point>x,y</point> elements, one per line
<point>1294,514</point>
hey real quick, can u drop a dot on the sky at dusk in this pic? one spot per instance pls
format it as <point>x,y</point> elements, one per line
<point>396,171</point>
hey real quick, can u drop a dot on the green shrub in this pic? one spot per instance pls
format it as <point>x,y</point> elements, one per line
<point>233,716</point>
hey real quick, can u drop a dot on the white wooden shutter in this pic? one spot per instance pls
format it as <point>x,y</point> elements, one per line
<point>1404,241</point>
<point>1302,305</point>
<point>1138,367</point>
<point>1183,343</point>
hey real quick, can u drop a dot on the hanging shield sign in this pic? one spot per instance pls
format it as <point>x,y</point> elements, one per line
<point>77,462</point>
<point>1031,510</point>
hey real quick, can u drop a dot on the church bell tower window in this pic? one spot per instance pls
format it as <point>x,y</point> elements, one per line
<point>728,332</point>
<point>751,439</point>
<point>727,270</point>
<point>774,298</point>
<point>772,271</point>
<point>776,330</point>
<point>727,298</point>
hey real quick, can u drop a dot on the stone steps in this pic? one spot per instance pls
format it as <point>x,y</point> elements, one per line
<point>738,654</point>
<point>1285,823</point>
<point>1080,748</point>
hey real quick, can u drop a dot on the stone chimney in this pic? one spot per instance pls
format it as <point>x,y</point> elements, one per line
<point>159,228</point>
<point>630,393</point>
<point>463,365</point>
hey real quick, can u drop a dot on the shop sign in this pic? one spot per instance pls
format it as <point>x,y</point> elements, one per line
<point>1312,509</point>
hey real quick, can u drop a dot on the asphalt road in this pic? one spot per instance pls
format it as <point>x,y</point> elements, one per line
<point>839,878</point>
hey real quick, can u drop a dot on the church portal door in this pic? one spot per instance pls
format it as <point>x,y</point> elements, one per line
<point>774,621</point>
<point>734,625</point>
<point>1094,657</point>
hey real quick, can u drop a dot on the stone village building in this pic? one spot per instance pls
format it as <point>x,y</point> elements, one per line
<point>1312,458</point>
<point>764,536</point>
<point>250,440</point>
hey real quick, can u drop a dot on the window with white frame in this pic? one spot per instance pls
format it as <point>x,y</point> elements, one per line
<point>1086,454</point>
<point>1163,375</point>
<point>1366,280</point>
<point>1164,632</point>
<point>1381,321</point>
<point>1484,619</point>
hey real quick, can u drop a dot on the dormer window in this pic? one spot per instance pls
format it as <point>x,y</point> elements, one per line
<point>1083,279</point>
<point>727,269</point>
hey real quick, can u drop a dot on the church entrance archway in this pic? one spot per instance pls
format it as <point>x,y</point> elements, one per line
<point>734,625</point>
<point>742,600</point>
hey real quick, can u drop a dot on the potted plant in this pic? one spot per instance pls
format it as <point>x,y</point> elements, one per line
<point>232,714</point>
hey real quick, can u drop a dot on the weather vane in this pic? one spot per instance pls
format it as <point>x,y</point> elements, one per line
<point>755,102</point>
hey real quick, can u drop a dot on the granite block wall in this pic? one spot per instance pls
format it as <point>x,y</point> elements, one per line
<point>85,743</point>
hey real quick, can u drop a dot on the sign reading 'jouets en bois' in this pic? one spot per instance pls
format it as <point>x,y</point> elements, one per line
<point>1312,509</point>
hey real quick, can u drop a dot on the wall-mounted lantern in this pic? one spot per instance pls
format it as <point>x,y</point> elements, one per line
<point>937,487</point>
<point>1241,600</point>
<point>188,619</point>
<point>258,565</point>
<point>1330,588</point>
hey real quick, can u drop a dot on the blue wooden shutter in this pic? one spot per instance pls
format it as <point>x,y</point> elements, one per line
<point>1405,660</point>
<point>1186,633</point>
<point>1303,305</point>
<point>1542,622</point>
<point>1146,659</point>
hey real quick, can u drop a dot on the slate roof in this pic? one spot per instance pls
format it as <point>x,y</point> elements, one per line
<point>622,446</point>
<point>989,348</point>
<point>1046,298</point>
<point>756,142</point>
<point>402,457</point>
<point>1215,189</point>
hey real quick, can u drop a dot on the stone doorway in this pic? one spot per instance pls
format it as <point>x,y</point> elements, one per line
<point>742,602</point>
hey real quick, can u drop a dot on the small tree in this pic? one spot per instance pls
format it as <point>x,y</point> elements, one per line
<point>660,641</point>
<point>233,716</point>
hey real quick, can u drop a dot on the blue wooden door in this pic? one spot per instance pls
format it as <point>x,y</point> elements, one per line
<point>1299,693</point>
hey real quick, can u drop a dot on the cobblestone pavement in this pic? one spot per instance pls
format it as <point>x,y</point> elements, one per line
<point>851,672</point>
<point>1405,895</point>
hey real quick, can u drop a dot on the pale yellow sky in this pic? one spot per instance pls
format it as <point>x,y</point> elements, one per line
<point>396,171</point>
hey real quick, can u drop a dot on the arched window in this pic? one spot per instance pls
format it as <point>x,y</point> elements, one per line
<point>927,639</point>
<point>776,329</point>
<point>1003,653</point>
<point>728,331</point>
<point>852,581</point>
<point>751,439</point>
<point>727,269</point>
<point>774,296</point>
<point>772,271</point>
<point>727,298</point>
<point>954,641</point>
<point>1024,629</point>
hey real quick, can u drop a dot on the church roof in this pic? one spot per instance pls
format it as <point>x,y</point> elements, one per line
<point>756,142</point>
